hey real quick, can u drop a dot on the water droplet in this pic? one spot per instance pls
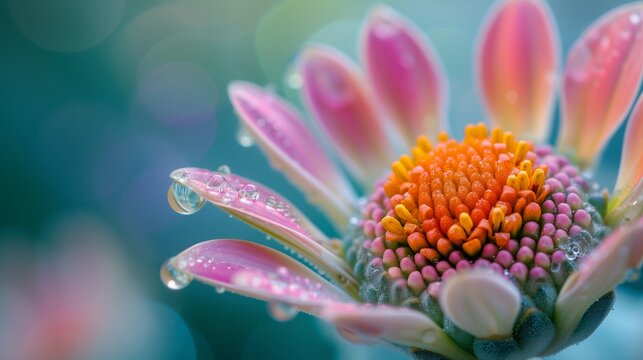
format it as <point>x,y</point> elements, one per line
<point>219,289</point>
<point>281,311</point>
<point>229,196</point>
<point>295,80</point>
<point>429,337</point>
<point>569,254</point>
<point>249,192</point>
<point>244,138</point>
<point>271,203</point>
<point>217,183</point>
<point>506,272</point>
<point>224,169</point>
<point>183,200</point>
<point>556,266</point>
<point>635,18</point>
<point>174,278</point>
<point>563,242</point>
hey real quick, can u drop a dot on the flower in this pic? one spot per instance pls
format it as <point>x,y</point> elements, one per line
<point>494,246</point>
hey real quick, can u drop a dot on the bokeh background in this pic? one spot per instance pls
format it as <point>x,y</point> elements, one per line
<point>101,99</point>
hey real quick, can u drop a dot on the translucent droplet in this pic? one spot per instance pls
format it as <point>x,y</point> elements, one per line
<point>295,80</point>
<point>281,311</point>
<point>224,169</point>
<point>635,18</point>
<point>556,266</point>
<point>244,138</point>
<point>569,254</point>
<point>183,200</point>
<point>506,272</point>
<point>271,203</point>
<point>563,242</point>
<point>217,183</point>
<point>229,196</point>
<point>219,289</point>
<point>174,278</point>
<point>249,192</point>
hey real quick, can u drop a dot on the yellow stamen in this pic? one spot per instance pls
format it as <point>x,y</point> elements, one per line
<point>523,180</point>
<point>407,162</point>
<point>497,217</point>
<point>424,143</point>
<point>392,225</point>
<point>403,213</point>
<point>466,222</point>
<point>521,151</point>
<point>400,171</point>
<point>527,166</point>
<point>510,140</point>
<point>538,180</point>
<point>497,135</point>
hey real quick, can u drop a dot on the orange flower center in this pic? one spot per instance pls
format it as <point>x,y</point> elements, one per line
<point>461,195</point>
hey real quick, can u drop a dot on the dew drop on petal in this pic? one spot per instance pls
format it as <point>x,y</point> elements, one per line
<point>183,200</point>
<point>219,289</point>
<point>216,183</point>
<point>224,169</point>
<point>281,311</point>
<point>249,192</point>
<point>229,196</point>
<point>174,278</point>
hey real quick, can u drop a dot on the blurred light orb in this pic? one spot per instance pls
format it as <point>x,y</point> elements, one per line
<point>66,25</point>
<point>179,94</point>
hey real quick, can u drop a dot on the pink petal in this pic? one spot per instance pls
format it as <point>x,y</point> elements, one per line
<point>481,302</point>
<point>268,211</point>
<point>405,73</point>
<point>395,325</point>
<point>282,135</point>
<point>254,270</point>
<point>336,95</point>
<point>517,62</point>
<point>602,78</point>
<point>602,270</point>
<point>631,168</point>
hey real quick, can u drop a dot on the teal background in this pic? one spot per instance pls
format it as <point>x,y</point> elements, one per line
<point>100,100</point>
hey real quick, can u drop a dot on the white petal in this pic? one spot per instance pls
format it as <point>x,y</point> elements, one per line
<point>481,302</point>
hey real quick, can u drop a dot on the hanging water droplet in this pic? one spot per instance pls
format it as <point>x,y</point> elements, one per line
<point>249,192</point>
<point>244,138</point>
<point>216,182</point>
<point>281,311</point>
<point>174,278</point>
<point>555,266</point>
<point>229,196</point>
<point>183,200</point>
<point>506,272</point>
<point>224,169</point>
<point>219,289</point>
